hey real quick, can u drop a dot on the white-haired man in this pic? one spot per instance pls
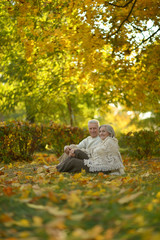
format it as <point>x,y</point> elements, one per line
<point>87,143</point>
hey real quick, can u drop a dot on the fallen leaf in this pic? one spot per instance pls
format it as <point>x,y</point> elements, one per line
<point>109,234</point>
<point>93,233</point>
<point>24,235</point>
<point>22,223</point>
<point>37,190</point>
<point>146,174</point>
<point>129,198</point>
<point>77,217</point>
<point>5,218</point>
<point>55,230</point>
<point>37,221</point>
<point>158,195</point>
<point>54,211</point>
<point>40,169</point>
<point>1,172</point>
<point>8,191</point>
<point>74,199</point>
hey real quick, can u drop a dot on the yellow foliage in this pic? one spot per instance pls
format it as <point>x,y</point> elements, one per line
<point>158,195</point>
<point>74,199</point>
<point>37,221</point>
<point>22,223</point>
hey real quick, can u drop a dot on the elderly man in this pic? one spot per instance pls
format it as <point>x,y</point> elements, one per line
<point>87,143</point>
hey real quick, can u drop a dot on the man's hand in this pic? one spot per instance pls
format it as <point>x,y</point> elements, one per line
<point>67,149</point>
<point>71,152</point>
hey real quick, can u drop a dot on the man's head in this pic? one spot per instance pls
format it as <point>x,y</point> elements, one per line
<point>93,127</point>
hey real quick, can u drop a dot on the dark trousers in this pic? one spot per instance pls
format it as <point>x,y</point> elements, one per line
<point>74,164</point>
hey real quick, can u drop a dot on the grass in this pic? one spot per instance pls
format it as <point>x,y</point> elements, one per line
<point>38,203</point>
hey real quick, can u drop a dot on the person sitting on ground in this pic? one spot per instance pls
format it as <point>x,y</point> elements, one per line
<point>105,157</point>
<point>87,143</point>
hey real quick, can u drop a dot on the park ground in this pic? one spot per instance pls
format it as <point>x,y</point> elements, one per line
<point>38,203</point>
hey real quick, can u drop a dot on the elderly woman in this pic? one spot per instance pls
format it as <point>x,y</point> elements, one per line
<point>105,157</point>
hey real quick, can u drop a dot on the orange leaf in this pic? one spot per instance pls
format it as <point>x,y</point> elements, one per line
<point>8,191</point>
<point>1,173</point>
<point>5,218</point>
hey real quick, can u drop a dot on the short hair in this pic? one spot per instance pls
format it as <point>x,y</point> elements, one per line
<point>93,121</point>
<point>109,129</point>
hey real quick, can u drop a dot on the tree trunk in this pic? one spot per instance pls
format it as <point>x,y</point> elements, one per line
<point>30,111</point>
<point>71,116</point>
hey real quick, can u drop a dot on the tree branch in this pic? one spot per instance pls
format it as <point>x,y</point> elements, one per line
<point>126,17</point>
<point>135,27</point>
<point>145,40</point>
<point>120,6</point>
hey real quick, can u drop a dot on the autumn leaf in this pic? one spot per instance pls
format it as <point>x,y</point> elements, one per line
<point>129,198</point>
<point>74,199</point>
<point>37,221</point>
<point>54,211</point>
<point>22,223</point>
<point>8,191</point>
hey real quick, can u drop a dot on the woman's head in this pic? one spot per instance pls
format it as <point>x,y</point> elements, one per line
<point>106,130</point>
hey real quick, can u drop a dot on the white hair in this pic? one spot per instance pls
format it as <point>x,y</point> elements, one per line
<point>93,121</point>
<point>109,129</point>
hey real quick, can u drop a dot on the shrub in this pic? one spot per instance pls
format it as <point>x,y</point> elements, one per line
<point>141,144</point>
<point>18,140</point>
<point>57,136</point>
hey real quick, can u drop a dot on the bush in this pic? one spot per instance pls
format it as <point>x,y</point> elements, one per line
<point>141,144</point>
<point>18,141</point>
<point>56,136</point>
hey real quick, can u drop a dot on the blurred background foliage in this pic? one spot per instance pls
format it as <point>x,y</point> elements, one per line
<point>70,61</point>
<point>19,141</point>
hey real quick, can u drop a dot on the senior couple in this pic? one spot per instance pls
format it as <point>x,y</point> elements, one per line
<point>99,152</point>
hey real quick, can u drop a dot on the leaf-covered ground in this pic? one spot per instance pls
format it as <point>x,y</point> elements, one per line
<point>38,203</point>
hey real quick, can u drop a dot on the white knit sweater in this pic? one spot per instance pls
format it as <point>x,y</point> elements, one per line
<point>105,157</point>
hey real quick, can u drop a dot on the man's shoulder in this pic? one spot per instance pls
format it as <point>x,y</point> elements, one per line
<point>87,138</point>
<point>96,139</point>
